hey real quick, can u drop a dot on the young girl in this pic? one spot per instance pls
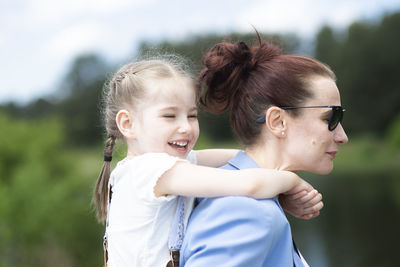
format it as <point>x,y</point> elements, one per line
<point>151,106</point>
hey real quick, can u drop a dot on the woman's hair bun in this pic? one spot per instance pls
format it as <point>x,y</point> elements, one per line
<point>225,66</point>
<point>242,56</point>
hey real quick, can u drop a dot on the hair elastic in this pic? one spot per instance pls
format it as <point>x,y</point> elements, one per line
<point>108,159</point>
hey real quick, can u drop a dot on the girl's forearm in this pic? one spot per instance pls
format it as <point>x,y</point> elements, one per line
<point>192,180</point>
<point>271,183</point>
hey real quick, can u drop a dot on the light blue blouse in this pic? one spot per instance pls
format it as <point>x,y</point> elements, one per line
<point>239,231</point>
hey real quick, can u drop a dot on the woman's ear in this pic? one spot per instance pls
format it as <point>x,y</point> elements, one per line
<point>125,123</point>
<point>275,120</point>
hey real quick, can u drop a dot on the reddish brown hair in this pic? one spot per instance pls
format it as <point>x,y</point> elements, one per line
<point>248,80</point>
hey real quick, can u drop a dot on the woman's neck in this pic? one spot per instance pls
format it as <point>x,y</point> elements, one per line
<point>269,156</point>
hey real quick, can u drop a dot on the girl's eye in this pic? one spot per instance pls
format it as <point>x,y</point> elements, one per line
<point>193,116</point>
<point>169,116</point>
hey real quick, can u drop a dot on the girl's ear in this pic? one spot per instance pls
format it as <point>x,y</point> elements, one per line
<point>276,122</point>
<point>125,123</point>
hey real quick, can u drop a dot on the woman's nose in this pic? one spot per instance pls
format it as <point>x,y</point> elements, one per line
<point>340,135</point>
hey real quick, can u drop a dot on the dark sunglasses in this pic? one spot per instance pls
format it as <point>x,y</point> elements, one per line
<point>334,119</point>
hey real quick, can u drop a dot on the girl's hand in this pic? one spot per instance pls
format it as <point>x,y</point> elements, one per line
<point>303,201</point>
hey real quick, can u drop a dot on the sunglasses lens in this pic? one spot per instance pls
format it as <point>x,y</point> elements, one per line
<point>336,118</point>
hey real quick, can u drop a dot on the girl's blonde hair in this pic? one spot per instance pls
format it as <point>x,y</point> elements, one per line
<point>125,89</point>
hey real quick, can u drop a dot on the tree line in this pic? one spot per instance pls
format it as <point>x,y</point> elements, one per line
<point>364,57</point>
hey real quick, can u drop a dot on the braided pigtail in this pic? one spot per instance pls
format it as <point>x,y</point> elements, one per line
<point>101,191</point>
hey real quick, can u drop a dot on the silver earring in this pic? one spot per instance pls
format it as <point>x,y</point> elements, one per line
<point>282,133</point>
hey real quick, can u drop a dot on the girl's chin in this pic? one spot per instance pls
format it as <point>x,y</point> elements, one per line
<point>179,153</point>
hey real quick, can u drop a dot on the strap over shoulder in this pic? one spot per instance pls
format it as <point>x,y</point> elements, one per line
<point>176,233</point>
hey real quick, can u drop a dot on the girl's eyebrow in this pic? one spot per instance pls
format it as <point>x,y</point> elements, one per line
<point>194,108</point>
<point>169,108</point>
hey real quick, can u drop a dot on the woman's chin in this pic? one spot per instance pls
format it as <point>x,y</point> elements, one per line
<point>323,170</point>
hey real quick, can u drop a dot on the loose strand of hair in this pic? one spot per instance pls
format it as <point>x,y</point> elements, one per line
<point>258,35</point>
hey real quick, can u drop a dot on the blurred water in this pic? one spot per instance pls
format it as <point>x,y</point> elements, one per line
<point>359,225</point>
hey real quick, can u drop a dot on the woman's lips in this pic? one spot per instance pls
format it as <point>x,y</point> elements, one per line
<point>332,154</point>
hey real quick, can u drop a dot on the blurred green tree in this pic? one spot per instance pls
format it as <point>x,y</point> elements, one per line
<point>77,102</point>
<point>365,60</point>
<point>81,92</point>
<point>45,213</point>
<point>393,134</point>
<point>364,57</point>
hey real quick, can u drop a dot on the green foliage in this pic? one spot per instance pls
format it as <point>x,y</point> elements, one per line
<point>364,57</point>
<point>367,154</point>
<point>327,46</point>
<point>38,108</point>
<point>45,213</point>
<point>77,103</point>
<point>365,60</point>
<point>81,103</point>
<point>393,135</point>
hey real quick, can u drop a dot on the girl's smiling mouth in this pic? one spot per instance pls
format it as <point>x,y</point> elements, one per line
<point>179,144</point>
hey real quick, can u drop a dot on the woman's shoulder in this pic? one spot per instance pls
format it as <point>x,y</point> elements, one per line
<point>237,214</point>
<point>241,207</point>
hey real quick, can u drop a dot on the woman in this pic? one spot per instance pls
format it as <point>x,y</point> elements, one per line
<point>286,111</point>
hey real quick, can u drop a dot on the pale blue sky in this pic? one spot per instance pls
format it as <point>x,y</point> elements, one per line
<point>40,38</point>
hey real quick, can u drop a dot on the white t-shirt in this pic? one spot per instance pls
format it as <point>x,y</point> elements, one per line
<point>139,222</point>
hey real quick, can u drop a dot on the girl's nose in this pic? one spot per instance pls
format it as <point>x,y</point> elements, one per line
<point>184,126</point>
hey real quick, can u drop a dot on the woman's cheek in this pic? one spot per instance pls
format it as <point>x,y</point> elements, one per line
<point>313,142</point>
